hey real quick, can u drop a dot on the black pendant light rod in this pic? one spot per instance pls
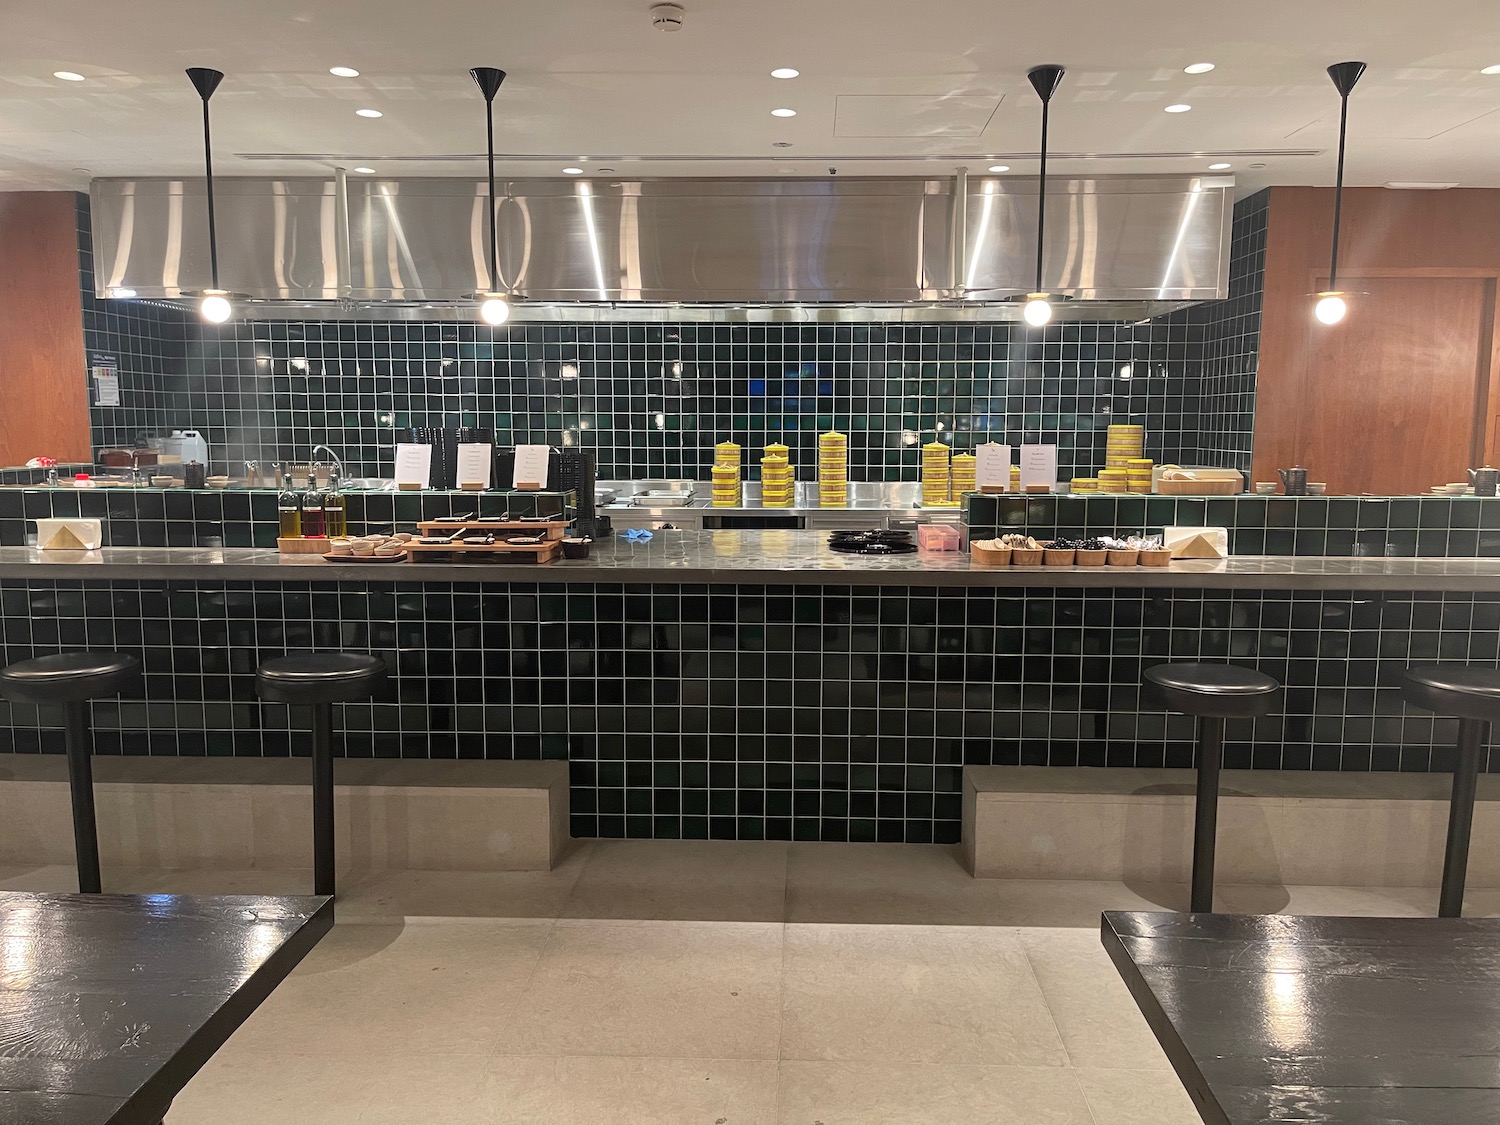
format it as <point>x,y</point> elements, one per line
<point>1344,75</point>
<point>1045,81</point>
<point>206,81</point>
<point>488,79</point>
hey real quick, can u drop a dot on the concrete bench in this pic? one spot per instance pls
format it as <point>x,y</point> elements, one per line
<point>177,813</point>
<point>1275,827</point>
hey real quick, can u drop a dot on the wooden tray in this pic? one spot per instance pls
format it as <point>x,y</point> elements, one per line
<point>493,552</point>
<point>367,558</point>
<point>547,529</point>
<point>303,546</point>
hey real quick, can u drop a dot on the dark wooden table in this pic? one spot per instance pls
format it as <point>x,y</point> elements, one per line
<point>109,1004</point>
<point>1340,1021</point>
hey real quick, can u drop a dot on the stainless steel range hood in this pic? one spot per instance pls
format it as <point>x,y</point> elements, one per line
<point>1122,248</point>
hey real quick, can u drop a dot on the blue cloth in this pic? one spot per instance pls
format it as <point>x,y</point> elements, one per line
<point>636,535</point>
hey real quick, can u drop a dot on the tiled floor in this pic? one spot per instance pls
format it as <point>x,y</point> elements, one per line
<point>707,984</point>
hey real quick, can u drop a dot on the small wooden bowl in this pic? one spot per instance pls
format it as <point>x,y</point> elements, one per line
<point>990,556</point>
<point>1057,556</point>
<point>1023,556</point>
<point>1124,556</point>
<point>1092,558</point>
<point>1159,557</point>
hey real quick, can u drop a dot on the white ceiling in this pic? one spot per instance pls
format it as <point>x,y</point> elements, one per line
<point>924,84</point>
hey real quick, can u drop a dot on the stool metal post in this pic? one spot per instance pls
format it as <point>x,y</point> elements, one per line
<point>80,747</point>
<point>1206,812</point>
<point>1473,737</point>
<point>324,877</point>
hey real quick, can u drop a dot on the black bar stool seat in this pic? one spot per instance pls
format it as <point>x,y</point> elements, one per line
<point>1213,693</point>
<point>319,680</point>
<point>71,679</point>
<point>319,677</point>
<point>1472,696</point>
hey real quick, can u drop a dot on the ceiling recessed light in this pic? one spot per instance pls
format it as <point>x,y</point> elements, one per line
<point>999,167</point>
<point>783,113</point>
<point>343,71</point>
<point>1490,70</point>
<point>1198,68</point>
<point>369,113</point>
<point>573,171</point>
<point>68,76</point>
<point>785,72</point>
<point>365,171</point>
<point>1219,167</point>
<point>1178,108</point>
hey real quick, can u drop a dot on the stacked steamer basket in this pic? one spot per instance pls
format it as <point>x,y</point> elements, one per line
<point>965,474</point>
<point>833,470</point>
<point>1123,444</point>
<point>776,478</point>
<point>726,475</point>
<point>1138,474</point>
<point>937,475</point>
<point>1085,484</point>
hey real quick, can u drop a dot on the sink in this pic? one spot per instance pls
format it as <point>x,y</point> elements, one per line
<point>368,484</point>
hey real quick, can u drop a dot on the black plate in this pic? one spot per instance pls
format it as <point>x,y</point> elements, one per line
<point>846,548</point>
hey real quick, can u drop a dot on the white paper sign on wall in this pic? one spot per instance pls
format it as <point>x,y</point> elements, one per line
<point>475,463</point>
<point>531,466</point>
<point>413,464</point>
<point>1038,465</point>
<point>992,467</point>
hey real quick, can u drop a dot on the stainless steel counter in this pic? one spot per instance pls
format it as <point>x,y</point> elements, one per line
<point>759,557</point>
<point>871,504</point>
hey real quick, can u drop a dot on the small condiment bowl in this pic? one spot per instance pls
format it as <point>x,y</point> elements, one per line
<point>1265,487</point>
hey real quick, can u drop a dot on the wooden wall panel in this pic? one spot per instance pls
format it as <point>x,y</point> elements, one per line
<point>44,409</point>
<point>1428,262</point>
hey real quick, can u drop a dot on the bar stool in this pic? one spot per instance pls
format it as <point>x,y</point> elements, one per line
<point>318,680</point>
<point>1212,693</point>
<point>1472,696</point>
<point>72,679</point>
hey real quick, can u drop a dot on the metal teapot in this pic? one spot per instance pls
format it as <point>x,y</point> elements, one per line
<point>1484,481</point>
<point>1294,481</point>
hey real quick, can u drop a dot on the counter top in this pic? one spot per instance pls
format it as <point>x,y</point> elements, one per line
<point>762,557</point>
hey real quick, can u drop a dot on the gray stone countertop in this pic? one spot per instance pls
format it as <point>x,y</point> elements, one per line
<point>759,557</point>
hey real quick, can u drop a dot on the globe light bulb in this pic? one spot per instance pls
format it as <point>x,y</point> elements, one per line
<point>1038,311</point>
<point>215,307</point>
<point>494,310</point>
<point>1330,309</point>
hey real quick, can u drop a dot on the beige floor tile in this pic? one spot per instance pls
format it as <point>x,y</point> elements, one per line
<point>1095,1014</point>
<point>432,987</point>
<point>888,884</point>
<point>1380,902</point>
<point>462,894</point>
<point>1079,902</point>
<point>913,994</point>
<point>1137,1097</point>
<point>843,1093</point>
<point>663,989</point>
<point>243,1087</point>
<point>635,1091</point>
<point>682,880</point>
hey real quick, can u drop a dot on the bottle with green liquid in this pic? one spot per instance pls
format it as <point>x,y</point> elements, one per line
<point>289,507</point>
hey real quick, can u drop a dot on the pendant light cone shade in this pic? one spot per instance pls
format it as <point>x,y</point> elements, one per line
<point>215,307</point>
<point>1331,307</point>
<point>1044,80</point>
<point>493,308</point>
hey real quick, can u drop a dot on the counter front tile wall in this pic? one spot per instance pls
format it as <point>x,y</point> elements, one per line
<point>758,711</point>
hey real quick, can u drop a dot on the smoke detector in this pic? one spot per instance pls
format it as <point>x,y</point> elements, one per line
<point>667,17</point>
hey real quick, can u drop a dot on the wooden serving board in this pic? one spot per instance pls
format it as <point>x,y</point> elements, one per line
<point>550,529</point>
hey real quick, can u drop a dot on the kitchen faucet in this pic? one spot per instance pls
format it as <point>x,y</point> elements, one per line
<point>336,463</point>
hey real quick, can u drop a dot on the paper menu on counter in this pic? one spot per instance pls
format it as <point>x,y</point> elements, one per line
<point>992,467</point>
<point>475,463</point>
<point>531,466</point>
<point>1038,465</point>
<point>413,464</point>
